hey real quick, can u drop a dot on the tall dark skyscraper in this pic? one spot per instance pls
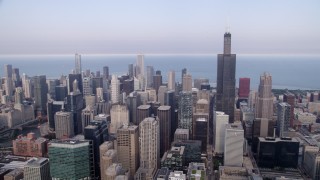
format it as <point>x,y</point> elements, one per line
<point>40,93</point>
<point>226,80</point>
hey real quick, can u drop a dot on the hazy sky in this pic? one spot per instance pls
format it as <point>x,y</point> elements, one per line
<point>162,26</point>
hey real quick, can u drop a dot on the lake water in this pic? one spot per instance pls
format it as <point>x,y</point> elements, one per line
<point>288,71</point>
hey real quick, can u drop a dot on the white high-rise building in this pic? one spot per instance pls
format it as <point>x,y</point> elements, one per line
<point>78,64</point>
<point>100,94</point>
<point>149,145</point>
<point>219,122</point>
<point>26,86</point>
<point>171,80</point>
<point>115,89</point>
<point>140,65</point>
<point>119,116</point>
<point>233,145</point>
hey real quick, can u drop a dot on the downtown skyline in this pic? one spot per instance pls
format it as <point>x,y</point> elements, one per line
<point>43,27</point>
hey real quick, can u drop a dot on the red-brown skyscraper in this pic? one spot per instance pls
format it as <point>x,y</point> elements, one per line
<point>244,87</point>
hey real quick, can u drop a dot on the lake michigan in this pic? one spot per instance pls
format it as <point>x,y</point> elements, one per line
<point>288,71</point>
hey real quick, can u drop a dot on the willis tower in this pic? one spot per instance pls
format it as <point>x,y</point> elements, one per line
<point>226,69</point>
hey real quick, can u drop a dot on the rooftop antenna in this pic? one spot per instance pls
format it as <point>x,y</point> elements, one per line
<point>228,25</point>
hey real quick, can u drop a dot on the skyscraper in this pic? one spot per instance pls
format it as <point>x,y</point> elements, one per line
<point>143,111</point>
<point>283,122</point>
<point>244,87</point>
<point>119,116</point>
<point>157,80</point>
<point>128,147</point>
<point>115,89</point>
<point>164,114</point>
<point>264,104</point>
<point>149,141</point>
<point>183,72</point>
<point>8,79</point>
<point>226,72</point>
<point>233,145</point>
<point>150,74</point>
<point>71,80</point>
<point>185,110</point>
<point>64,126</point>
<point>171,80</point>
<point>77,61</point>
<point>70,159</point>
<point>187,82</point>
<point>40,93</point>
<point>290,99</point>
<point>220,121</point>
<point>105,72</point>
<point>140,65</point>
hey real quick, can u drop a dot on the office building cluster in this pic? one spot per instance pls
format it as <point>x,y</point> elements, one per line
<point>136,126</point>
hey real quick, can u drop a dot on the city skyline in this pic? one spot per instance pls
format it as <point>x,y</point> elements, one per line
<point>37,27</point>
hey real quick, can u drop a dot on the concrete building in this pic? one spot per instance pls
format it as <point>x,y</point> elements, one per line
<point>119,116</point>
<point>311,161</point>
<point>140,65</point>
<point>291,100</point>
<point>157,80</point>
<point>283,122</point>
<point>70,159</point>
<point>37,169</point>
<point>181,134</point>
<point>152,94</point>
<point>149,78</point>
<point>87,86</point>
<point>226,79</point>
<point>171,80</point>
<point>115,89</point>
<point>161,94</point>
<point>64,126</point>
<point>220,121</point>
<point>30,146</point>
<point>113,171</point>
<point>244,88</point>
<point>264,104</point>
<point>233,146</point>
<point>149,141</point>
<point>164,115</point>
<point>187,82</point>
<point>87,115</point>
<point>143,111</point>
<point>107,159</point>
<point>128,148</point>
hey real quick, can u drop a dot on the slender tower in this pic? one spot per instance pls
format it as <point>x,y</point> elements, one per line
<point>226,72</point>
<point>78,64</point>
